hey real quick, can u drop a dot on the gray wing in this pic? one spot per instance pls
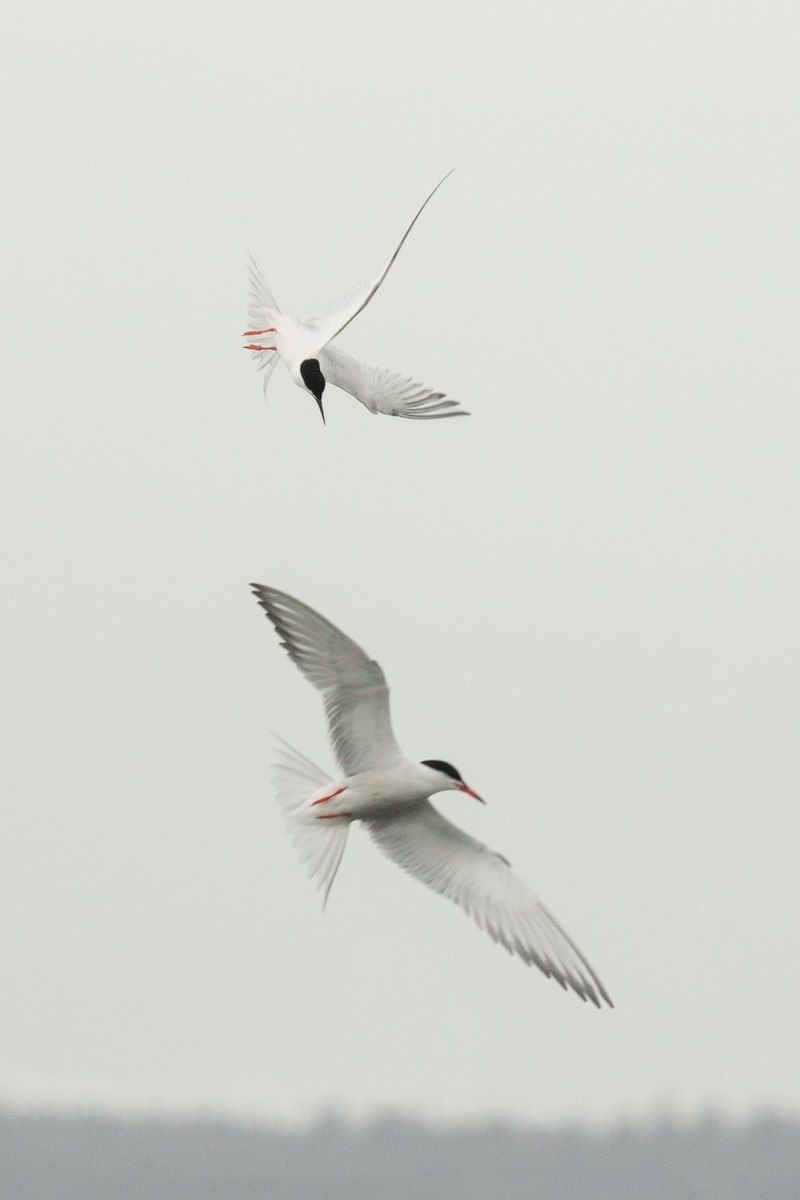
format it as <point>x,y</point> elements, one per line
<point>451,862</point>
<point>332,320</point>
<point>353,686</point>
<point>382,392</point>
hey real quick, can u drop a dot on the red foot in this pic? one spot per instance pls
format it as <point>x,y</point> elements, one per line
<point>253,346</point>
<point>256,332</point>
<point>331,816</point>
<point>325,799</point>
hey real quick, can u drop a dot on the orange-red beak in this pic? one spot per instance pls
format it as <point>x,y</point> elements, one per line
<point>463,788</point>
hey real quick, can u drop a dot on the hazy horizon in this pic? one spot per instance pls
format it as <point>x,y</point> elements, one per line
<point>50,1158</point>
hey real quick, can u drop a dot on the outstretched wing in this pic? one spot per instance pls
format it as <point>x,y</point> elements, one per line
<point>262,310</point>
<point>331,320</point>
<point>448,860</point>
<point>382,392</point>
<point>353,687</point>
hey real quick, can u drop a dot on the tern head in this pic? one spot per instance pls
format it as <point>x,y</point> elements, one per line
<point>449,778</point>
<point>314,380</point>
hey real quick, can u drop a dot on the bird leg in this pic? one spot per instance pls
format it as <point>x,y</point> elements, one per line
<point>255,332</point>
<point>255,346</point>
<point>325,799</point>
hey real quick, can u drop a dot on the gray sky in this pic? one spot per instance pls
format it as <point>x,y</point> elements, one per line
<point>586,595</point>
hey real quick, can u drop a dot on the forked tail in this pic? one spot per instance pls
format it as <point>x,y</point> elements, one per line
<point>262,312</point>
<point>320,843</point>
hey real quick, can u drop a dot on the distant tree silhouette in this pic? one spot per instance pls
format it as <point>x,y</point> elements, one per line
<point>54,1157</point>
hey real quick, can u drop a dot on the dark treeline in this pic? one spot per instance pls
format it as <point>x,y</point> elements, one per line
<point>56,1157</point>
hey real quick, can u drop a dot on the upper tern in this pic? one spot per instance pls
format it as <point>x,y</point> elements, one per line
<point>303,344</point>
<point>390,794</point>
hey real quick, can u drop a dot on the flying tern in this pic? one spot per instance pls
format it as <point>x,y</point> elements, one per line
<point>391,794</point>
<point>304,345</point>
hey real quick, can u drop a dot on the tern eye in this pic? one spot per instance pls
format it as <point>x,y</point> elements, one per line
<point>446,768</point>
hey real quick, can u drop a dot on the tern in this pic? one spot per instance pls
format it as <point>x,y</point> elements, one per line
<point>304,345</point>
<point>391,794</point>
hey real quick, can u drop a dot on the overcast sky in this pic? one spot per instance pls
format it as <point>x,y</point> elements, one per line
<point>585,595</point>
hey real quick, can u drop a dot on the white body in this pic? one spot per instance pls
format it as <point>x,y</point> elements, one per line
<point>295,342</point>
<point>381,792</point>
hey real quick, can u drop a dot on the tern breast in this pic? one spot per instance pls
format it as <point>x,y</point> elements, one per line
<point>375,793</point>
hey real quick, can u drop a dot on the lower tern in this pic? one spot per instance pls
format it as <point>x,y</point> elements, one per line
<point>304,345</point>
<point>391,794</point>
